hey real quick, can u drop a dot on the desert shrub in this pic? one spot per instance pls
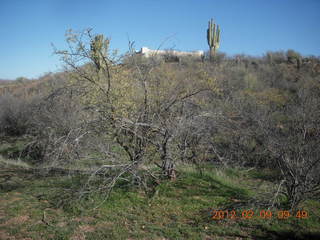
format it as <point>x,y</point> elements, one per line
<point>268,118</point>
<point>275,57</point>
<point>294,58</point>
<point>57,129</point>
<point>15,114</point>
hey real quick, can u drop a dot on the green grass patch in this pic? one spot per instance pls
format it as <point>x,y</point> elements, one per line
<point>48,208</point>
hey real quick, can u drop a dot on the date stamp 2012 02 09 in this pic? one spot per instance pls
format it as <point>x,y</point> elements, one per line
<point>261,214</point>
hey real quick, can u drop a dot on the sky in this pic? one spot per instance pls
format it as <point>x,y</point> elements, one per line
<point>252,27</point>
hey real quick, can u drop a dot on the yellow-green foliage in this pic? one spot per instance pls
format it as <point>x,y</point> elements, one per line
<point>163,84</point>
<point>251,81</point>
<point>269,96</point>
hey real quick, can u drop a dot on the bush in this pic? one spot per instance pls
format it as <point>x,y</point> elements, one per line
<point>15,115</point>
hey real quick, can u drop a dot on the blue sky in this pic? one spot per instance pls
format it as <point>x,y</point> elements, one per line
<point>28,27</point>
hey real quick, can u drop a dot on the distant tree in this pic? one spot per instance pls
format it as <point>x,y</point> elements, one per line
<point>21,80</point>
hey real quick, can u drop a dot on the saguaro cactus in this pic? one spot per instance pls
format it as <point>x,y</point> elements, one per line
<point>213,37</point>
<point>99,48</point>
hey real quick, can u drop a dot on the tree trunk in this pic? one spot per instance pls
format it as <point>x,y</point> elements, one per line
<point>168,166</point>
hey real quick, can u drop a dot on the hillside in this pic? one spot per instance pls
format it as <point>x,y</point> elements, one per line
<point>4,81</point>
<point>28,88</point>
<point>225,148</point>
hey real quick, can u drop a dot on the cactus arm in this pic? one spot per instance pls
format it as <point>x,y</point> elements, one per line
<point>217,37</point>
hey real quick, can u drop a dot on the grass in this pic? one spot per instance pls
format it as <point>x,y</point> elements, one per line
<point>42,208</point>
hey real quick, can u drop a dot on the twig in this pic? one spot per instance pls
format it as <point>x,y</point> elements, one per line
<point>276,195</point>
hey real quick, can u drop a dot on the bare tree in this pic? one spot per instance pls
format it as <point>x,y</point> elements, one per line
<point>135,104</point>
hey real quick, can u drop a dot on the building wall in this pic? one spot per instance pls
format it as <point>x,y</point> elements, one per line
<point>149,53</point>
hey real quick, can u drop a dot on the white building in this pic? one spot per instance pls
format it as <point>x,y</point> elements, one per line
<point>149,53</point>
